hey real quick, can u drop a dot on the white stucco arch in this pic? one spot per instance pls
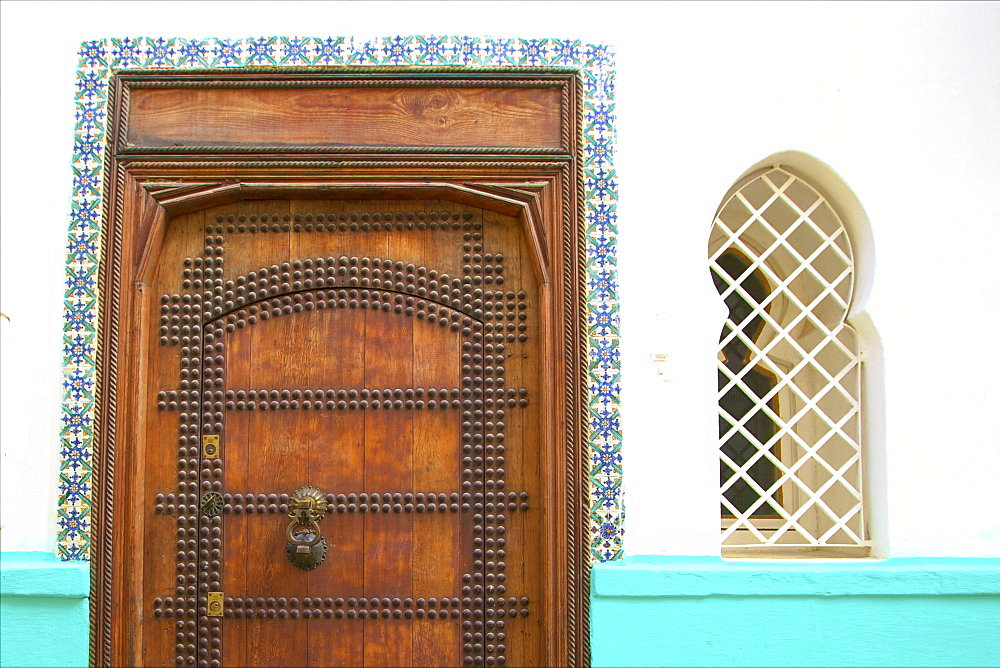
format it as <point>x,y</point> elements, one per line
<point>846,204</point>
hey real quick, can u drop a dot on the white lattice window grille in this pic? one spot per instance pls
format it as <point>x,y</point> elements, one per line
<point>789,372</point>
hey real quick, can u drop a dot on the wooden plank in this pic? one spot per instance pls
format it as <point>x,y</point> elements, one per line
<point>388,469</point>
<point>335,350</point>
<point>276,464</point>
<point>437,541</point>
<point>375,116</point>
<point>437,562</point>
<point>235,444</point>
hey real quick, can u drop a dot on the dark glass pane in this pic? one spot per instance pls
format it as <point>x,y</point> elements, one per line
<point>740,449</point>
<point>736,402</point>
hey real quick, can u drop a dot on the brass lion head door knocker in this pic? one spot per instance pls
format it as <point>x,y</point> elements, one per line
<point>306,547</point>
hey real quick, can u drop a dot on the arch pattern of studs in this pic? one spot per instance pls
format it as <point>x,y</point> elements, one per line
<point>488,318</point>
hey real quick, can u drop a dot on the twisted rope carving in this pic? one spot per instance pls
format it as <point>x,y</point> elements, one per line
<point>323,149</point>
<point>105,430</point>
<point>329,164</point>
<point>566,118</point>
<point>582,653</point>
<point>572,398</point>
<point>109,287</point>
<point>381,82</point>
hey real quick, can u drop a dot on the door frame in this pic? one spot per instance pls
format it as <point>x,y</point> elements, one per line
<point>147,184</point>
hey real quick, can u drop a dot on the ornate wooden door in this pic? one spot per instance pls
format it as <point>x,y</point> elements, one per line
<point>342,383</point>
<point>384,354</point>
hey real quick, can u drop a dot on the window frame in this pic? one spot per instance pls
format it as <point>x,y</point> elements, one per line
<point>742,541</point>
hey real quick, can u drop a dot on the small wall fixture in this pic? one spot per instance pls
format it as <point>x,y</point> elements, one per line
<point>661,365</point>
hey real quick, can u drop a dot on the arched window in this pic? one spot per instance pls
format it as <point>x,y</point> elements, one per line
<point>789,372</point>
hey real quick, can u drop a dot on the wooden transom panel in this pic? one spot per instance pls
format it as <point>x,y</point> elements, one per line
<point>454,115</point>
<point>385,353</point>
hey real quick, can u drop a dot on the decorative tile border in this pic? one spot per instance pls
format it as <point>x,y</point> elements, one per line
<point>100,58</point>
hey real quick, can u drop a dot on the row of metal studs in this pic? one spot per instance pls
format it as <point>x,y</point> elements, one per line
<point>213,363</point>
<point>489,551</point>
<point>484,431</point>
<point>332,217</point>
<point>350,614</point>
<point>343,222</point>
<point>343,272</point>
<point>473,481</point>
<point>250,508</point>
<point>375,404</point>
<point>278,281</point>
<point>374,607</point>
<point>185,400</point>
<point>272,503</point>
<point>364,602</point>
<point>351,298</point>
<point>180,320</point>
<point>330,404</point>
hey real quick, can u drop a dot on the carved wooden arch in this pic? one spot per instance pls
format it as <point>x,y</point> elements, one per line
<point>170,199</point>
<point>148,183</point>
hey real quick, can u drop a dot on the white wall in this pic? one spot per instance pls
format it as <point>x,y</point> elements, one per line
<point>902,100</point>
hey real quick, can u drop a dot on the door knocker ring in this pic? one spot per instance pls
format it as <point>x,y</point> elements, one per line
<point>306,547</point>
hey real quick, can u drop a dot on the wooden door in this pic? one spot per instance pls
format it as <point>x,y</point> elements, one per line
<point>385,354</point>
<point>368,284</point>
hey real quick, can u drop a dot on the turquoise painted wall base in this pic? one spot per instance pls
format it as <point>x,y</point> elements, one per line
<point>44,610</point>
<point>658,611</point>
<point>689,611</point>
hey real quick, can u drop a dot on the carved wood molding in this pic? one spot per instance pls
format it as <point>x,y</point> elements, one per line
<point>324,149</point>
<point>436,112</point>
<point>520,199</point>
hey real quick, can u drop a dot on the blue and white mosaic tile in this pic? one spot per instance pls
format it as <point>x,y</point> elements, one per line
<point>99,59</point>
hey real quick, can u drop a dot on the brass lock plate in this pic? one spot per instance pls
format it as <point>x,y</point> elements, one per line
<point>215,604</point>
<point>210,446</point>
